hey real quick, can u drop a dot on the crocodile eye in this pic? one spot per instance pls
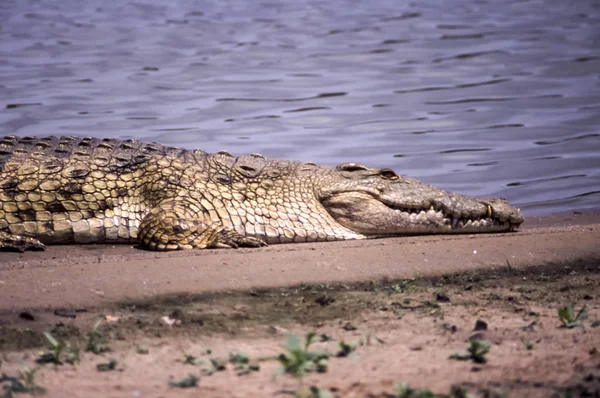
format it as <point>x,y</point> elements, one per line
<point>351,167</point>
<point>388,174</point>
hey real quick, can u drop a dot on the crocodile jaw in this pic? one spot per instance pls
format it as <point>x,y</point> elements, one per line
<point>378,215</point>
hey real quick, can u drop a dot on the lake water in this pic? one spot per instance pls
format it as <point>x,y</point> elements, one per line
<point>494,98</point>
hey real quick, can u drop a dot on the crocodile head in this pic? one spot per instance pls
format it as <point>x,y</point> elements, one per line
<point>378,202</point>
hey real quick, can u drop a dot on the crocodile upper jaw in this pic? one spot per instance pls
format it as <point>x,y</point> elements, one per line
<point>366,214</point>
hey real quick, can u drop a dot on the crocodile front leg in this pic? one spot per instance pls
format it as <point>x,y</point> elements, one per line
<point>170,226</point>
<point>19,243</point>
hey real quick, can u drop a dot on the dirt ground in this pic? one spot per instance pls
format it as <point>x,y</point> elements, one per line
<point>403,305</point>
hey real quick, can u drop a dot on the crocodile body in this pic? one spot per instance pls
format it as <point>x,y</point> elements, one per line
<point>82,190</point>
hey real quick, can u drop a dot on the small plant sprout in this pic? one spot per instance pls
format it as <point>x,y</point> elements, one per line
<point>476,352</point>
<point>239,358</point>
<point>458,391</point>
<point>569,319</point>
<point>529,345</point>
<point>314,392</point>
<point>241,364</point>
<point>28,376</point>
<point>405,391</point>
<point>105,367</point>
<point>14,385</point>
<point>346,349</point>
<point>94,341</point>
<point>298,360</point>
<point>188,382</point>
<point>216,365</point>
<point>189,359</point>
<point>325,337</point>
<point>57,351</point>
<point>369,340</point>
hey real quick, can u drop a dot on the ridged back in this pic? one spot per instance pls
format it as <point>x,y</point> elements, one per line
<point>109,152</point>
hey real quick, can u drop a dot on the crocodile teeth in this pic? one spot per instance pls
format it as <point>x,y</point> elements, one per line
<point>489,211</point>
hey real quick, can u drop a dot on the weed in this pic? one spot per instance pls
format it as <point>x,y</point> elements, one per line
<point>246,369</point>
<point>402,286</point>
<point>508,265</point>
<point>533,326</point>
<point>432,308</point>
<point>189,359</point>
<point>188,382</point>
<point>476,352</point>
<point>105,367</point>
<point>57,351</point>
<point>491,393</point>
<point>569,319</point>
<point>370,337</point>
<point>457,391</point>
<point>241,364</point>
<point>346,349</point>
<point>239,358</point>
<point>216,365</point>
<point>405,391</point>
<point>298,360</point>
<point>325,337</point>
<point>529,345</point>
<point>16,386</point>
<point>314,392</point>
<point>28,376</point>
<point>94,341</point>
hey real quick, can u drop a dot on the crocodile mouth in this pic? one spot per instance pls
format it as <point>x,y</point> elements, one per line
<point>370,213</point>
<point>450,221</point>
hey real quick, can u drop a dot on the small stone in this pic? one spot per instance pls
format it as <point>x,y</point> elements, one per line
<point>28,316</point>
<point>480,325</point>
<point>442,298</point>
<point>324,300</point>
<point>349,327</point>
<point>65,313</point>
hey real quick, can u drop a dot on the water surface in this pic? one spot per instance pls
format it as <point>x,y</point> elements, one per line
<point>495,98</point>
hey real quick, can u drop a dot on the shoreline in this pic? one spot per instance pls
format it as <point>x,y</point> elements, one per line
<point>85,275</point>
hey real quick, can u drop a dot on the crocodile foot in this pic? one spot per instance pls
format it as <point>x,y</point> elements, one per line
<point>19,243</point>
<point>231,239</point>
<point>169,228</point>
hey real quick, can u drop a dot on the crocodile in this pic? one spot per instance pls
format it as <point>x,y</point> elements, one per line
<point>60,190</point>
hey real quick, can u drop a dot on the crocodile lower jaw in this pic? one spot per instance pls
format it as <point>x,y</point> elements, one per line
<point>438,221</point>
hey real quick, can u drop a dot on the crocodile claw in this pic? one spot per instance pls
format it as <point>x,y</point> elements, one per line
<point>231,239</point>
<point>19,243</point>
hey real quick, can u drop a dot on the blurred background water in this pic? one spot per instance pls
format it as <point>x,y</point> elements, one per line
<point>493,98</point>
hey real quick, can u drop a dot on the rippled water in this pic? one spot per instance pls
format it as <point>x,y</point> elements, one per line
<point>480,97</point>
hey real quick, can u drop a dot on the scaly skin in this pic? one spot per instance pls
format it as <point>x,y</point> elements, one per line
<point>74,190</point>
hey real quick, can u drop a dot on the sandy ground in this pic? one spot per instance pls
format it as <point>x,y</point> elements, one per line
<point>408,303</point>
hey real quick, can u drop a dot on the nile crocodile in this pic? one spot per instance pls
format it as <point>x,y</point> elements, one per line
<point>81,190</point>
